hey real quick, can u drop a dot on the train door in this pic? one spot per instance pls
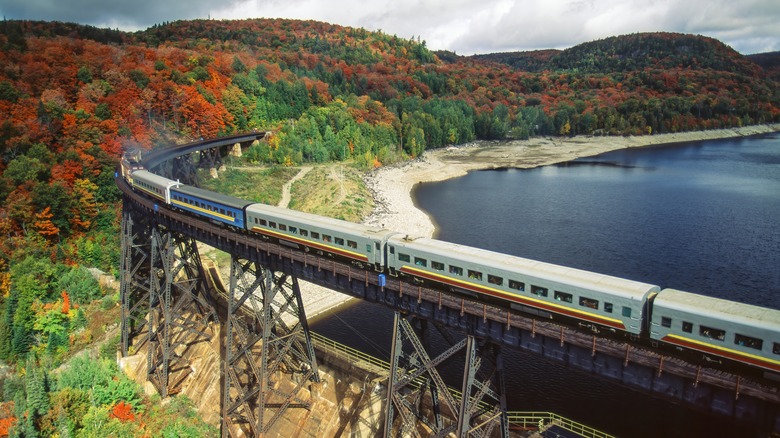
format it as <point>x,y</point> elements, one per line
<point>390,260</point>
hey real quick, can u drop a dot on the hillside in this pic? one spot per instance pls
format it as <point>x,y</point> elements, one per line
<point>654,50</point>
<point>769,62</point>
<point>534,61</point>
<point>74,97</point>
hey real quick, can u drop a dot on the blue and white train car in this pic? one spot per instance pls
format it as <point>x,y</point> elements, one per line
<point>153,185</point>
<point>214,206</point>
<point>530,286</point>
<point>718,328</point>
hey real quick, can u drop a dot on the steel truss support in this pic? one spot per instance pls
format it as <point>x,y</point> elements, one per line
<point>413,376</point>
<point>180,168</point>
<point>179,308</point>
<point>267,336</point>
<point>135,269</point>
<point>210,158</point>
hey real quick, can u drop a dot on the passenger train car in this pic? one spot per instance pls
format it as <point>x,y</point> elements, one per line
<point>214,206</point>
<point>719,330</point>
<point>359,244</point>
<point>595,300</point>
<point>153,185</point>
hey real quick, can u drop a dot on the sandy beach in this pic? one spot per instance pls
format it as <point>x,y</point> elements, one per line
<point>392,185</point>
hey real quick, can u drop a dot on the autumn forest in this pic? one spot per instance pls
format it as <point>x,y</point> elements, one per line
<point>74,97</point>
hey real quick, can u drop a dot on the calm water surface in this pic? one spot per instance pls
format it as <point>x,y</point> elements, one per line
<point>702,217</point>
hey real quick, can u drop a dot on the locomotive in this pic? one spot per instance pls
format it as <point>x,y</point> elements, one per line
<point>692,324</point>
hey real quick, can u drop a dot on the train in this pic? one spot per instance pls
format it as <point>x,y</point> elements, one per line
<point>705,328</point>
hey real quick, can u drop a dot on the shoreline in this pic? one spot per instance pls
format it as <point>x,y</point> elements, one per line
<point>392,185</point>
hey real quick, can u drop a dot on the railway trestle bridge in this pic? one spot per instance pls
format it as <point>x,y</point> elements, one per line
<point>165,296</point>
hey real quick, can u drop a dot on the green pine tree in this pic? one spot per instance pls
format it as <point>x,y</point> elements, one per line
<point>37,391</point>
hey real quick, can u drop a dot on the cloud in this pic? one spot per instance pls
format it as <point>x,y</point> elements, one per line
<point>464,26</point>
<point>126,15</point>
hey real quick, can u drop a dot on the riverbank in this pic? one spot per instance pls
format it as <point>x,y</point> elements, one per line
<point>392,185</point>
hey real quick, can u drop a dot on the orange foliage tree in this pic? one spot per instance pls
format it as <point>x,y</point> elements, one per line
<point>123,412</point>
<point>44,226</point>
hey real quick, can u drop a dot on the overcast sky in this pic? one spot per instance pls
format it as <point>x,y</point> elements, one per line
<point>464,26</point>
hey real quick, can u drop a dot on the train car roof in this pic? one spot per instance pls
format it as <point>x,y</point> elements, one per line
<point>154,179</point>
<point>743,313</point>
<point>546,271</point>
<point>318,221</point>
<point>208,195</point>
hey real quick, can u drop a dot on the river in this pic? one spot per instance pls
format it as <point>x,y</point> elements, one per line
<point>701,216</point>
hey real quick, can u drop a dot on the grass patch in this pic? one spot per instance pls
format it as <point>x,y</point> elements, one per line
<point>333,190</point>
<point>256,185</point>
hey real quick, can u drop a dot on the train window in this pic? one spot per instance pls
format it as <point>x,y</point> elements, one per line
<point>748,341</point>
<point>304,233</point>
<point>492,279</point>
<point>283,227</point>
<point>589,303</point>
<point>377,246</point>
<point>437,265</point>
<point>353,245</point>
<point>315,235</point>
<point>326,238</point>
<point>392,250</point>
<point>294,230</point>
<point>687,327</point>
<point>517,285</point>
<point>339,241</point>
<point>456,270</point>
<point>712,333</point>
<point>420,262</point>
<point>475,275</point>
<point>627,312</point>
<point>263,222</point>
<point>404,257</point>
<point>776,348</point>
<point>562,296</point>
<point>272,224</point>
<point>368,247</point>
<point>608,307</point>
<point>666,321</point>
<point>541,291</point>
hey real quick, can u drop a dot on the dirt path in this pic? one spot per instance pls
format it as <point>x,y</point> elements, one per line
<point>285,201</point>
<point>337,174</point>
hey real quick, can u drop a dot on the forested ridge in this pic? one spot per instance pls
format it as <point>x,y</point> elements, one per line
<point>73,97</point>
